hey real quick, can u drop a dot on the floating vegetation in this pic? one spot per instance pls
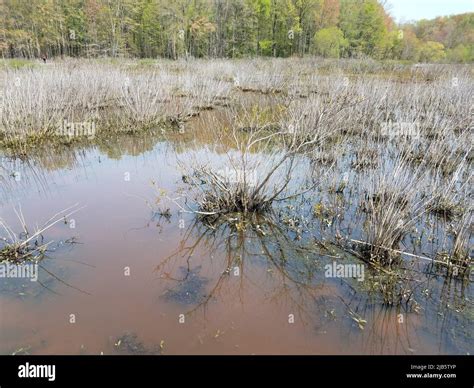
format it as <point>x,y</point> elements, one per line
<point>129,343</point>
<point>190,288</point>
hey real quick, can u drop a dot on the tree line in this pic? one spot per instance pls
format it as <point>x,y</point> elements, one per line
<point>227,28</point>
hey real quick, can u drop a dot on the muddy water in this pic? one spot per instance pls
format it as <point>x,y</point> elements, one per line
<point>121,279</point>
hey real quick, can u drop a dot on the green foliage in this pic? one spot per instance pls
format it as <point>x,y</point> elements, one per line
<point>16,63</point>
<point>265,47</point>
<point>461,54</point>
<point>363,24</point>
<point>432,52</point>
<point>226,28</point>
<point>330,42</point>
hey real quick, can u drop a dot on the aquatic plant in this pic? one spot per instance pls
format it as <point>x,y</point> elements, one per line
<point>28,245</point>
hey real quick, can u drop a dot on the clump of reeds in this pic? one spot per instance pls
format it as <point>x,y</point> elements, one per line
<point>261,77</point>
<point>257,168</point>
<point>393,204</point>
<point>451,195</point>
<point>458,258</point>
<point>28,245</point>
<point>245,183</point>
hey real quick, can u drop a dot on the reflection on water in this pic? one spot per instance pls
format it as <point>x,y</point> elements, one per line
<point>123,280</point>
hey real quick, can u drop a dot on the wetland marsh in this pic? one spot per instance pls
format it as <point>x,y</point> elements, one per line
<point>193,207</point>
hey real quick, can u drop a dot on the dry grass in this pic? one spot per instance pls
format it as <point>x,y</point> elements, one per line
<point>28,245</point>
<point>127,96</point>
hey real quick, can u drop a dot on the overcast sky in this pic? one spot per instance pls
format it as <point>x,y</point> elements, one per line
<point>405,10</point>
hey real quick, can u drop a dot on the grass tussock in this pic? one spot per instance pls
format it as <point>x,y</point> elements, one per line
<point>392,205</point>
<point>28,246</point>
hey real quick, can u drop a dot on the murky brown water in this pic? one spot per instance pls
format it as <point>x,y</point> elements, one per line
<point>239,292</point>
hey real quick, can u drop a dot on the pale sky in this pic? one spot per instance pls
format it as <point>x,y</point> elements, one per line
<point>406,10</point>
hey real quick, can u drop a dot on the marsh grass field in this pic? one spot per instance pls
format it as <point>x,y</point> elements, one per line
<point>199,207</point>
